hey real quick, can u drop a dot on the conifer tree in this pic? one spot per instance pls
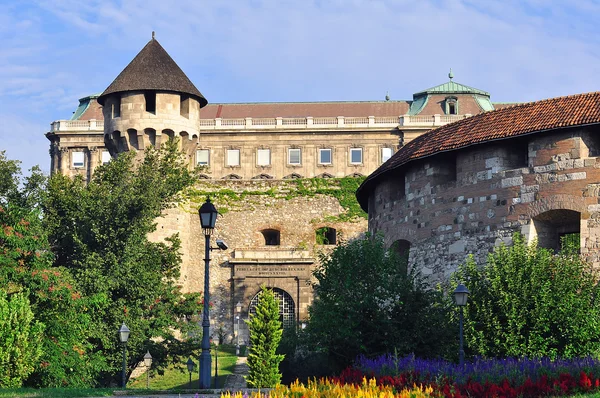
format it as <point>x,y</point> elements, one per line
<point>265,335</point>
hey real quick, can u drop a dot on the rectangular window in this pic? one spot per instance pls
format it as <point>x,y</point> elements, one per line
<point>324,156</point>
<point>202,157</point>
<point>263,157</point>
<point>294,156</point>
<point>78,159</point>
<point>233,157</point>
<point>150,98</point>
<point>184,105</point>
<point>356,155</point>
<point>386,153</point>
<point>116,110</point>
<point>105,157</point>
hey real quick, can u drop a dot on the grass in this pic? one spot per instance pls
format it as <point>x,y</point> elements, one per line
<point>176,377</point>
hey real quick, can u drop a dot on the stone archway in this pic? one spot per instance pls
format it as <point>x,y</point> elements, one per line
<point>287,309</point>
<point>553,226</point>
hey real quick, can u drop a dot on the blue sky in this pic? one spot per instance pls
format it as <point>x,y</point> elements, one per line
<point>54,52</point>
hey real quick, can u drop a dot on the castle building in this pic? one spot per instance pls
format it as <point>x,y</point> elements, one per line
<point>465,188</point>
<point>259,162</point>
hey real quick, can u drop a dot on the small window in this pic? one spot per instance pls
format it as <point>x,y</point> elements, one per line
<point>263,157</point>
<point>78,159</point>
<point>202,157</point>
<point>150,98</point>
<point>451,106</point>
<point>271,237</point>
<point>325,236</point>
<point>106,157</point>
<point>233,157</point>
<point>294,156</point>
<point>184,105</point>
<point>324,156</point>
<point>386,154</point>
<point>452,109</point>
<point>116,107</point>
<point>356,155</point>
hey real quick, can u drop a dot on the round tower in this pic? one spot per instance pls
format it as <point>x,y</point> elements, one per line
<point>151,101</point>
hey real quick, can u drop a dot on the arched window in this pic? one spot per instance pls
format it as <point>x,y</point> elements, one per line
<point>287,311</point>
<point>271,237</point>
<point>402,248</point>
<point>556,228</point>
<point>326,236</point>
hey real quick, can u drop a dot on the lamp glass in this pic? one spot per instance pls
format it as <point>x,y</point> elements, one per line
<point>238,307</point>
<point>190,365</point>
<point>208,215</point>
<point>148,359</point>
<point>461,295</point>
<point>124,333</point>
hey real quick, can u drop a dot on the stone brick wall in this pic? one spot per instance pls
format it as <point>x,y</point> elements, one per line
<point>236,274</point>
<point>467,202</point>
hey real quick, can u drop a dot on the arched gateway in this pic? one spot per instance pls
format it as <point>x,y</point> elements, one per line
<point>287,314</point>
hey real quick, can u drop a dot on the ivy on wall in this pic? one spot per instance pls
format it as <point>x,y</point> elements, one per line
<point>343,189</point>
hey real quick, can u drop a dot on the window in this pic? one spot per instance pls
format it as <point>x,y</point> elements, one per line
<point>263,157</point>
<point>324,156</point>
<point>78,159</point>
<point>184,105</point>
<point>386,154</point>
<point>451,106</point>
<point>294,156</point>
<point>356,155</point>
<point>271,237</point>
<point>202,157</point>
<point>325,236</point>
<point>233,157</point>
<point>150,98</point>
<point>105,157</point>
<point>116,107</point>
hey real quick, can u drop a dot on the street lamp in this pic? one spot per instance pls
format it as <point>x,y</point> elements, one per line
<point>238,310</point>
<point>148,363</point>
<point>461,295</point>
<point>123,337</point>
<point>190,366</point>
<point>208,218</point>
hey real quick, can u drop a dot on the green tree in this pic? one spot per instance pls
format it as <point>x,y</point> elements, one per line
<point>528,301</point>
<point>99,231</point>
<point>20,338</point>
<point>265,335</point>
<point>366,302</point>
<point>26,267</point>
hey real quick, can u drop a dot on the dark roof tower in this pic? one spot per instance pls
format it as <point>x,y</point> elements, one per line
<point>153,69</point>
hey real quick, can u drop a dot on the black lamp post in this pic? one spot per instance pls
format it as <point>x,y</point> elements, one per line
<point>123,337</point>
<point>238,310</point>
<point>148,363</point>
<point>461,295</point>
<point>208,218</point>
<point>190,367</point>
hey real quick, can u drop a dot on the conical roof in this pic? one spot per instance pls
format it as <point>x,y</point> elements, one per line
<point>153,69</point>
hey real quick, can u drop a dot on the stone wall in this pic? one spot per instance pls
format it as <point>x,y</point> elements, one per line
<point>249,207</point>
<point>467,202</point>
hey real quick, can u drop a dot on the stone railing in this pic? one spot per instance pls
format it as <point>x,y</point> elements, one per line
<point>287,123</point>
<point>77,125</point>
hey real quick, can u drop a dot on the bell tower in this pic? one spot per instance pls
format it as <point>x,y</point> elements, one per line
<point>151,101</point>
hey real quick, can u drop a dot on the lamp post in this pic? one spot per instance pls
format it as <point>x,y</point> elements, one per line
<point>123,337</point>
<point>238,310</point>
<point>148,363</point>
<point>190,366</point>
<point>461,295</point>
<point>208,218</point>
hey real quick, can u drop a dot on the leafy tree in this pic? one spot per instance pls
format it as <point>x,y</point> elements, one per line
<point>366,302</point>
<point>99,231</point>
<point>26,268</point>
<point>20,337</point>
<point>528,301</point>
<point>265,335</point>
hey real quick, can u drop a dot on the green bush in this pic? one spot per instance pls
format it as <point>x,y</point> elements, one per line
<point>528,301</point>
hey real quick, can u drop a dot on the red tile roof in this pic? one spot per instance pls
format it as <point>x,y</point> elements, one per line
<point>303,109</point>
<point>521,119</point>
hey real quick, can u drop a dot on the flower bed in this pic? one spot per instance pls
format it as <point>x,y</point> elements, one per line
<point>480,378</point>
